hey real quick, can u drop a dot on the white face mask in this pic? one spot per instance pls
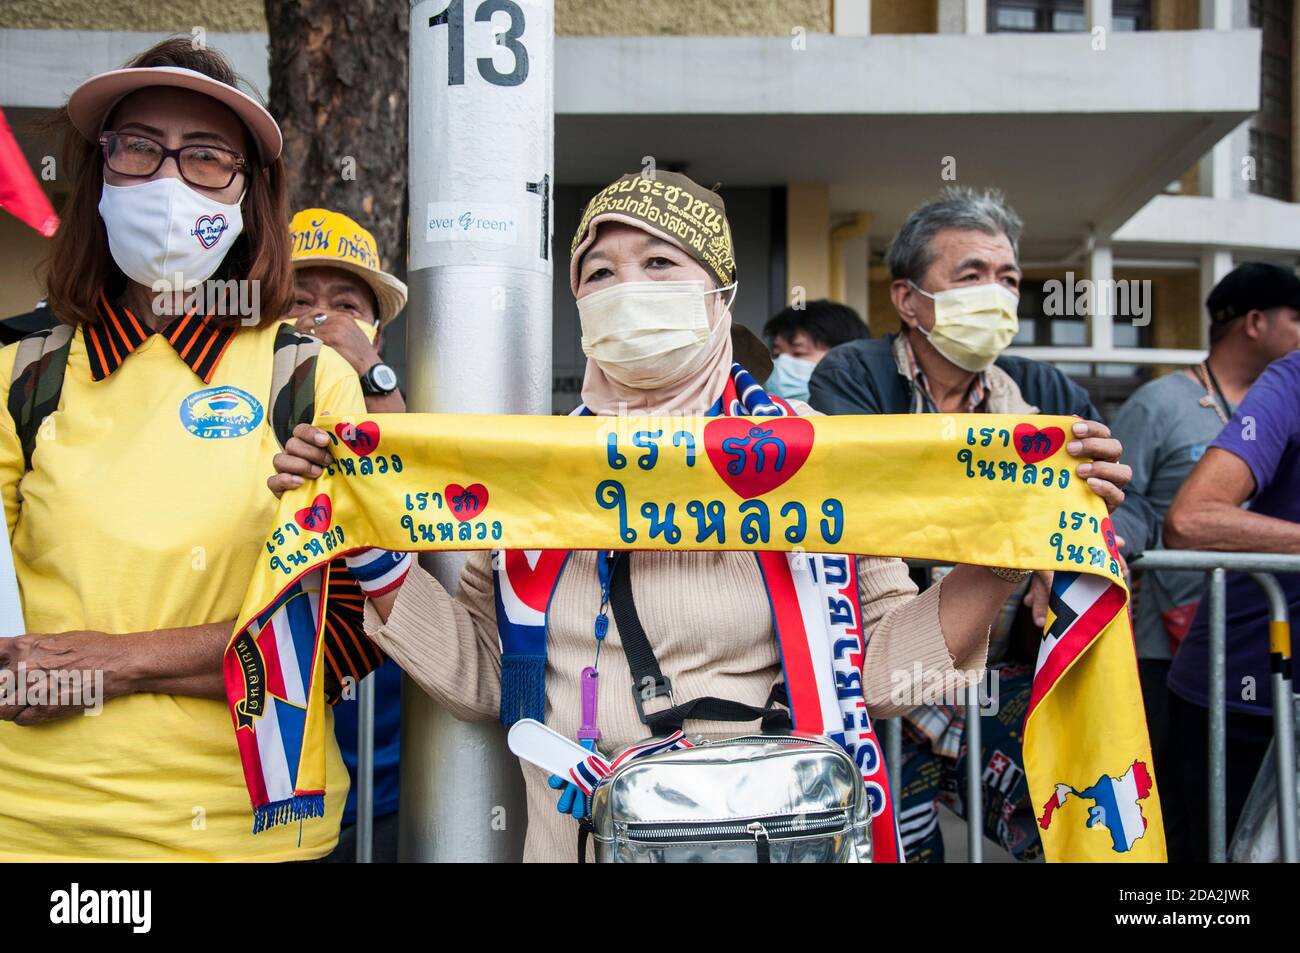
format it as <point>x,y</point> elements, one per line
<point>646,334</point>
<point>162,228</point>
<point>972,326</point>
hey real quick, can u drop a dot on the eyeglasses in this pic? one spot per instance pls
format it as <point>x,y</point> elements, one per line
<point>208,167</point>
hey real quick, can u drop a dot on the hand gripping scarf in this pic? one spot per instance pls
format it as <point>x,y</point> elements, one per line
<point>996,490</point>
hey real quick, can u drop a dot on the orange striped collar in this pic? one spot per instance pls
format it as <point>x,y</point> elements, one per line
<point>199,341</point>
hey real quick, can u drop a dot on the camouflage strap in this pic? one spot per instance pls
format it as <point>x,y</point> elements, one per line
<point>293,381</point>
<point>37,382</point>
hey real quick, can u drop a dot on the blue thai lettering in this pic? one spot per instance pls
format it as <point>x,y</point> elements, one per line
<point>833,527</point>
<point>836,569</point>
<point>687,438</point>
<point>611,495</point>
<point>615,459</point>
<point>799,529</point>
<point>738,448</point>
<point>711,520</point>
<point>667,527</point>
<point>755,525</point>
<point>647,440</point>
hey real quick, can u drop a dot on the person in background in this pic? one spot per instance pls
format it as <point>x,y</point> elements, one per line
<point>956,279</point>
<point>342,296</point>
<point>800,337</point>
<point>1165,427</point>
<point>1243,496</point>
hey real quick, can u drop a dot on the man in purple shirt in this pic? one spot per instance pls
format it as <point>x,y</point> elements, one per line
<point>1254,460</point>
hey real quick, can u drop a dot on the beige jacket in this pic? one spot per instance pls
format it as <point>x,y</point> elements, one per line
<point>707,616</point>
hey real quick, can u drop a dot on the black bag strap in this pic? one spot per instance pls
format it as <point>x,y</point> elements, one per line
<point>649,681</point>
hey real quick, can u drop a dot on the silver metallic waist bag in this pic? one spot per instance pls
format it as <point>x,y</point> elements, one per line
<point>787,798</point>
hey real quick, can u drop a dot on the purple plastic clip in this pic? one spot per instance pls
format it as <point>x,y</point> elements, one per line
<point>590,686</point>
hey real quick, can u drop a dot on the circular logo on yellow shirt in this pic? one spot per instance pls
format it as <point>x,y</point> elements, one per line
<point>218,412</point>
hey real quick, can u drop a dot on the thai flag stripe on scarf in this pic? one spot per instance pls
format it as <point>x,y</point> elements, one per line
<point>593,769</point>
<point>270,675</point>
<point>1083,605</point>
<point>379,571</point>
<point>816,611</point>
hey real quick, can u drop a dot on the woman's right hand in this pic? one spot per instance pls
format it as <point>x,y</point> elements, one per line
<point>304,458</point>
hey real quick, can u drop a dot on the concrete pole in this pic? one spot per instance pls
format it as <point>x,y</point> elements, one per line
<point>479,341</point>
<point>1098,13</point>
<point>1101,269</point>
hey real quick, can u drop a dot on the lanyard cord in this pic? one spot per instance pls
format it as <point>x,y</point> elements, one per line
<point>1212,390</point>
<point>605,562</point>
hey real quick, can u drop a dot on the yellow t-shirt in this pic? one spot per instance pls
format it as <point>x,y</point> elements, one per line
<point>145,509</point>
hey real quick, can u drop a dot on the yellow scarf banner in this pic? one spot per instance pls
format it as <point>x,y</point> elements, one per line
<point>985,489</point>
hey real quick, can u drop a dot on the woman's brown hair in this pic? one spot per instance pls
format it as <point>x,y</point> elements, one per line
<point>80,265</point>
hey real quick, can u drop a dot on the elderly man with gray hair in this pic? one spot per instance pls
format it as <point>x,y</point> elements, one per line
<point>955,285</point>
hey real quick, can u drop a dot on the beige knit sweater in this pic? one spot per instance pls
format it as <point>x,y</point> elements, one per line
<point>706,615</point>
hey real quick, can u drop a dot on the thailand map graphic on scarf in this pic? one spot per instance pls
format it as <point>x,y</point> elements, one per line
<point>1113,803</point>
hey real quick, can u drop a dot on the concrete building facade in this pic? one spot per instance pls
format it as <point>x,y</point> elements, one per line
<point>1146,141</point>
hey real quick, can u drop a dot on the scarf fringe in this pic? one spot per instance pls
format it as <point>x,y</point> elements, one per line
<point>296,808</point>
<point>523,688</point>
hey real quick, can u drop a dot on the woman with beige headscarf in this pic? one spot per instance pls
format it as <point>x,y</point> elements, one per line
<point>653,272</point>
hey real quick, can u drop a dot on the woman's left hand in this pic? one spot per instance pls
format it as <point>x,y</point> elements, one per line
<point>1106,476</point>
<point>76,673</point>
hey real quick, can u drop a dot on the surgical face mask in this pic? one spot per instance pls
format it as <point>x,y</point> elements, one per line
<point>163,228</point>
<point>790,376</point>
<point>646,334</point>
<point>972,326</point>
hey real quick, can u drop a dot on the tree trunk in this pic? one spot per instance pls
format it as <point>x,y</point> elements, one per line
<point>338,89</point>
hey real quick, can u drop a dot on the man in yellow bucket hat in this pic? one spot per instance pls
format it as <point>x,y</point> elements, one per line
<point>345,298</point>
<point>342,296</point>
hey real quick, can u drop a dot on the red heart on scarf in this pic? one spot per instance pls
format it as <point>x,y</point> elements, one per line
<point>755,456</point>
<point>1034,445</point>
<point>1108,535</point>
<point>315,518</point>
<point>466,502</point>
<point>362,439</point>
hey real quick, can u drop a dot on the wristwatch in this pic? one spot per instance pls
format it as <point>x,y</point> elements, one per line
<point>379,380</point>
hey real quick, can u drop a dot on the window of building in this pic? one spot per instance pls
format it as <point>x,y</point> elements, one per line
<point>1109,385</point>
<point>1271,129</point>
<point>1063,16</point>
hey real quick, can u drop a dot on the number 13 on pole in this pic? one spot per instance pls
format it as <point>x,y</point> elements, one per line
<point>482,131</point>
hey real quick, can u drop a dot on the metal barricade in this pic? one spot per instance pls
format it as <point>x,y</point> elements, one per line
<point>1260,566</point>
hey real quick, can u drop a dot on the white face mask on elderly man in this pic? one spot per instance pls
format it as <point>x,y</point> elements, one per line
<point>163,228</point>
<point>646,334</point>
<point>972,325</point>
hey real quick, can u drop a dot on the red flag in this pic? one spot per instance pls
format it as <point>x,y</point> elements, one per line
<point>20,193</point>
